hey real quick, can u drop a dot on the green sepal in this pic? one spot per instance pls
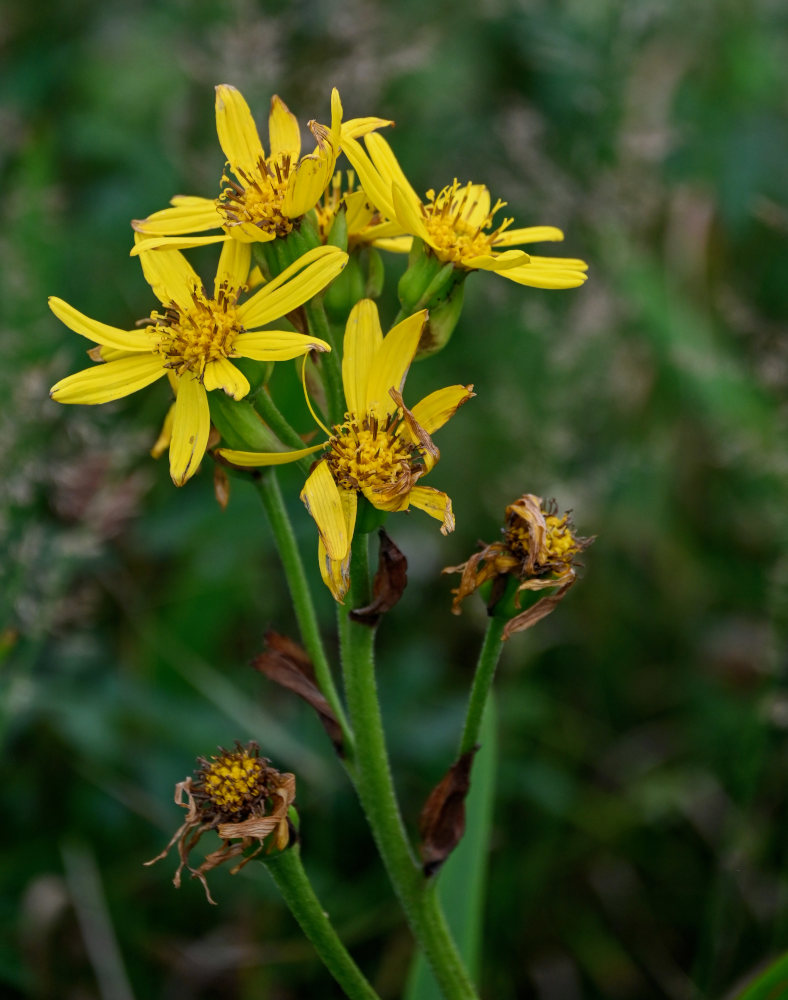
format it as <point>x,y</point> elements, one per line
<point>345,291</point>
<point>444,314</point>
<point>239,424</point>
<point>337,234</point>
<point>257,373</point>
<point>376,272</point>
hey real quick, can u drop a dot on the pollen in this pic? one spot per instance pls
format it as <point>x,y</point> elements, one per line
<point>456,234</point>
<point>235,782</point>
<point>259,199</point>
<point>365,454</point>
<point>554,545</point>
<point>204,332</point>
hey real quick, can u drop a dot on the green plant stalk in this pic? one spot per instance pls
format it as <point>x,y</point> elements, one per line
<point>288,873</point>
<point>320,327</point>
<point>376,791</point>
<point>267,486</point>
<point>482,682</point>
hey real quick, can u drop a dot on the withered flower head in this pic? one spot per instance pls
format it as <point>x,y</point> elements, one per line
<point>238,794</point>
<point>537,550</point>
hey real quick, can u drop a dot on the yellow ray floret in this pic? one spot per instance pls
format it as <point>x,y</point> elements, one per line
<point>457,222</point>
<point>262,196</point>
<point>381,450</point>
<point>194,337</point>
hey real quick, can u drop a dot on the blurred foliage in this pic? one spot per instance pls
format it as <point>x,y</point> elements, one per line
<point>639,847</point>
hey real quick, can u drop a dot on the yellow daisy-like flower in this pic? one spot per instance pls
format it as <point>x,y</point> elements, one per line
<point>365,224</point>
<point>193,339</point>
<point>457,222</point>
<point>381,450</point>
<point>262,197</point>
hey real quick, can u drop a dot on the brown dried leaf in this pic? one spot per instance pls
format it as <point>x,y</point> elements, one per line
<point>442,820</point>
<point>287,664</point>
<point>389,583</point>
<point>536,612</point>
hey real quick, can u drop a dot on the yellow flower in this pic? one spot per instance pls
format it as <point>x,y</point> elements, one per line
<point>262,196</point>
<point>365,225</point>
<point>382,449</point>
<point>193,339</point>
<point>457,223</point>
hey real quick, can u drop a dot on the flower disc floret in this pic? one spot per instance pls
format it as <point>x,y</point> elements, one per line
<point>455,232</point>
<point>191,338</point>
<point>260,201</point>
<point>234,782</point>
<point>369,455</point>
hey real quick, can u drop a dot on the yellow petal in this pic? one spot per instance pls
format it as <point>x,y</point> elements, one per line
<point>237,131</point>
<point>190,428</point>
<point>175,242</point>
<point>336,572</point>
<point>477,204</point>
<point>363,338</point>
<point>284,135</point>
<point>391,363</point>
<point>187,215</point>
<point>539,277</point>
<point>322,499</point>
<point>388,166</point>
<point>559,263</point>
<point>434,503</point>
<point>222,374</point>
<point>531,234</point>
<point>355,128</point>
<point>294,286</point>
<point>498,262</point>
<point>306,184</point>
<point>256,459</point>
<point>276,345</point>
<point>394,244</point>
<point>408,214</point>
<point>99,333</point>
<point>171,277</point>
<point>440,406</point>
<point>162,442</point>
<point>235,262</point>
<point>376,187</point>
<point>112,380</point>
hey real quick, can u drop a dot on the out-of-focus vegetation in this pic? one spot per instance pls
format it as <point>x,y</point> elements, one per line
<point>639,844</point>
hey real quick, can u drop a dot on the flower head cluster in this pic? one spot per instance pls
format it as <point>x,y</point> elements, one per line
<point>537,551</point>
<point>238,794</point>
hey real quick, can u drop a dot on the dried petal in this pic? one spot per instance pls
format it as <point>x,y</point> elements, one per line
<point>389,583</point>
<point>442,821</point>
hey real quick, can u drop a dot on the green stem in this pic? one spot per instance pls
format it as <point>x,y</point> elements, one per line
<point>376,791</point>
<point>319,326</point>
<point>482,682</point>
<point>268,487</point>
<point>288,873</point>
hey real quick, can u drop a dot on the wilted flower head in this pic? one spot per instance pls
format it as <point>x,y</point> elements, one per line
<point>537,550</point>
<point>238,794</point>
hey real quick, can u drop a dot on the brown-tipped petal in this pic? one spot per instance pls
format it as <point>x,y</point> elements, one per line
<point>536,612</point>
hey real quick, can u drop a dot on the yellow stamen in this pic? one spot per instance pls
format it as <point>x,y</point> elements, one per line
<point>234,781</point>
<point>365,454</point>
<point>452,235</point>
<point>259,200</point>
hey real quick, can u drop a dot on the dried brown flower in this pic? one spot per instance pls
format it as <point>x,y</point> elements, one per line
<point>537,549</point>
<point>238,794</point>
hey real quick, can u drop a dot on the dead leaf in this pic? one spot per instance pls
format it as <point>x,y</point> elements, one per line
<point>287,664</point>
<point>442,820</point>
<point>389,583</point>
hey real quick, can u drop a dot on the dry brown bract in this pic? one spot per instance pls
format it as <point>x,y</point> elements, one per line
<point>238,794</point>
<point>537,549</point>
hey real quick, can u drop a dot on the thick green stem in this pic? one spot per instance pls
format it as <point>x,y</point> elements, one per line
<point>278,423</point>
<point>330,369</point>
<point>268,488</point>
<point>376,791</point>
<point>482,682</point>
<point>288,873</point>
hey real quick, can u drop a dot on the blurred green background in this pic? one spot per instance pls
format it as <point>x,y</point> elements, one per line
<point>639,846</point>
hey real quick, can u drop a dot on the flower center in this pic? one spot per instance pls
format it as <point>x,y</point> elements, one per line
<point>259,198</point>
<point>366,454</point>
<point>234,782</point>
<point>455,235</point>
<point>558,545</point>
<point>192,338</point>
